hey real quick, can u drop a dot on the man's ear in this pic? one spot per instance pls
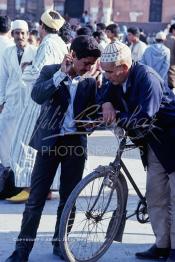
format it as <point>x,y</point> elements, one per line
<point>12,33</point>
<point>125,67</point>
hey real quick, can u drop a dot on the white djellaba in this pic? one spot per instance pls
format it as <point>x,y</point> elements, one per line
<point>51,51</point>
<point>12,93</point>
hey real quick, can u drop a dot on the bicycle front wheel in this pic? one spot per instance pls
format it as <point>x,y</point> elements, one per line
<point>92,217</point>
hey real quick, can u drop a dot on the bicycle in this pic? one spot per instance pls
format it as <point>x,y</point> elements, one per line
<point>95,212</point>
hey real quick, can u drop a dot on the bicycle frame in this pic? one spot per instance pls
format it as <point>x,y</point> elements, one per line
<point>110,197</point>
<point>118,164</point>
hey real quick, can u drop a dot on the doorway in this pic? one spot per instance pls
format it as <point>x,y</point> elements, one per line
<point>74,9</point>
<point>155,11</point>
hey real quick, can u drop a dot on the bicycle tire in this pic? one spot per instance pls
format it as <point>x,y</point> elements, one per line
<point>120,189</point>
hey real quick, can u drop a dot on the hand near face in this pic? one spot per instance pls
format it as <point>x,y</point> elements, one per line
<point>109,113</point>
<point>67,63</point>
<point>99,80</point>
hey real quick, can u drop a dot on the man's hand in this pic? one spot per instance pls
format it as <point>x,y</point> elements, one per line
<point>109,113</point>
<point>67,63</point>
<point>1,108</point>
<point>96,73</point>
<point>99,80</point>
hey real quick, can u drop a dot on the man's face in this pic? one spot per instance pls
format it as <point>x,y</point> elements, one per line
<point>32,40</point>
<point>131,38</point>
<point>109,34</point>
<point>20,37</point>
<point>117,74</point>
<point>83,65</point>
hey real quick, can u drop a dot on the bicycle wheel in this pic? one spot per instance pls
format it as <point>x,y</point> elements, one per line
<point>92,216</point>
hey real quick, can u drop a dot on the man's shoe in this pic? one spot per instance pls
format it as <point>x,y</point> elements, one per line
<point>154,253</point>
<point>22,197</point>
<point>171,257</point>
<point>17,257</point>
<point>57,252</point>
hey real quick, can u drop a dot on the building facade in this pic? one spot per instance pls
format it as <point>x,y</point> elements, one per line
<point>132,10</point>
<point>127,11</point>
<point>27,9</point>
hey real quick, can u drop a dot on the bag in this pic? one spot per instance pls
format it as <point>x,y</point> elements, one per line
<point>7,182</point>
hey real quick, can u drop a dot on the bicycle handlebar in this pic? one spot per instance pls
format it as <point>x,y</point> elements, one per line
<point>89,121</point>
<point>103,124</point>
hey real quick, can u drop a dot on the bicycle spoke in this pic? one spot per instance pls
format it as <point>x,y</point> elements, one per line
<point>97,210</point>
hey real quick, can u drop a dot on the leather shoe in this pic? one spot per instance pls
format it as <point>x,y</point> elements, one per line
<point>154,253</point>
<point>171,257</point>
<point>57,251</point>
<point>17,256</point>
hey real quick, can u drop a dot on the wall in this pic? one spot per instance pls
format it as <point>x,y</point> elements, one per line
<point>3,5</point>
<point>131,10</point>
<point>168,10</point>
<point>100,10</point>
<point>105,10</point>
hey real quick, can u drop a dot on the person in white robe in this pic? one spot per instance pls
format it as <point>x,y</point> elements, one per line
<point>51,51</point>
<point>5,31</point>
<point>5,40</point>
<point>12,97</point>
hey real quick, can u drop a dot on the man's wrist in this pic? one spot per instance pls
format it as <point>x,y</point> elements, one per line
<point>58,77</point>
<point>62,73</point>
<point>108,104</point>
<point>62,70</point>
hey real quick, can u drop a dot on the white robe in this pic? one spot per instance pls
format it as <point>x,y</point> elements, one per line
<point>13,95</point>
<point>137,50</point>
<point>51,51</point>
<point>5,42</point>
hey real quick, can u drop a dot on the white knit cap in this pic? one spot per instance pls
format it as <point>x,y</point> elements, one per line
<point>20,24</point>
<point>161,36</point>
<point>115,52</point>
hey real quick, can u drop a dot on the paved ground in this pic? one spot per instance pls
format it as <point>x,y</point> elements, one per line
<point>137,237</point>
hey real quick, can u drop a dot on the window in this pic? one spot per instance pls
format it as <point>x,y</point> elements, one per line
<point>155,13</point>
<point>74,8</point>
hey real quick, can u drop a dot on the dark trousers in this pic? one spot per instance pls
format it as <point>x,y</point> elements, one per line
<point>71,155</point>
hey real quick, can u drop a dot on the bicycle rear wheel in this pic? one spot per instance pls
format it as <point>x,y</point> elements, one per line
<point>92,216</point>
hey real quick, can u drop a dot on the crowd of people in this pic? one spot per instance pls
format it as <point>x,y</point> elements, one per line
<point>54,74</point>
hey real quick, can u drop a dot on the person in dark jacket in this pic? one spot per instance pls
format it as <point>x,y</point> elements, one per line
<point>65,95</point>
<point>140,101</point>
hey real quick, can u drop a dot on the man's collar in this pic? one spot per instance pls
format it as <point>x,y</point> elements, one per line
<point>127,82</point>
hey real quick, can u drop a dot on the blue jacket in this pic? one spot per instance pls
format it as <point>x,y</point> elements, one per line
<point>54,103</point>
<point>147,101</point>
<point>157,56</point>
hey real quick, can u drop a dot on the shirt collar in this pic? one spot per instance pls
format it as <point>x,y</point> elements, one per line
<point>68,79</point>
